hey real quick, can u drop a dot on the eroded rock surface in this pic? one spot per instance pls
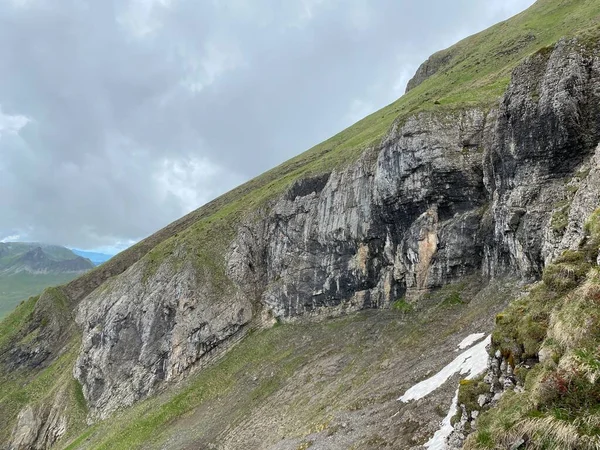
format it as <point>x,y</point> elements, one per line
<point>445,195</point>
<point>139,333</point>
<point>39,427</point>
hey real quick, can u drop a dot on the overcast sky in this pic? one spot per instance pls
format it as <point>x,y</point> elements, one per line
<point>117,117</point>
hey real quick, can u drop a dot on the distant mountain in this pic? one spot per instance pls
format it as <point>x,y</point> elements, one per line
<point>37,258</point>
<point>94,257</point>
<point>26,269</point>
<point>418,224</point>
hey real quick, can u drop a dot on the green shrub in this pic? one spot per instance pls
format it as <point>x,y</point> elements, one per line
<point>402,305</point>
<point>567,272</point>
<point>560,406</point>
<point>453,299</point>
<point>560,218</point>
<point>469,392</point>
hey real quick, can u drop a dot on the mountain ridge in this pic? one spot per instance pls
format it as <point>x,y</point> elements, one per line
<point>40,258</point>
<point>26,269</point>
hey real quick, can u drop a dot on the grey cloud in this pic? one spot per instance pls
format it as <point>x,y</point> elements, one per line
<point>140,110</point>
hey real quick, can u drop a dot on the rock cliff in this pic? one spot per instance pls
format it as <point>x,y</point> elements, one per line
<point>445,195</point>
<point>484,190</point>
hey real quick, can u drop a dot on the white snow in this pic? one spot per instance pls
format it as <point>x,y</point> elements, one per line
<point>471,363</point>
<point>470,340</point>
<point>438,441</point>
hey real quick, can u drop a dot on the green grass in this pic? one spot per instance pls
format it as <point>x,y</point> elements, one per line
<point>560,407</point>
<point>53,384</point>
<point>402,305</point>
<point>285,367</point>
<point>476,76</point>
<point>16,288</point>
<point>146,419</point>
<point>16,323</point>
<point>560,218</point>
<point>453,299</point>
<point>50,383</point>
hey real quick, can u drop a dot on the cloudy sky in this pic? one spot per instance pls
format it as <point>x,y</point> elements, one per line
<point>119,116</point>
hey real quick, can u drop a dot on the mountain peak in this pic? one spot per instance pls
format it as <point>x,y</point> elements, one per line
<point>36,258</point>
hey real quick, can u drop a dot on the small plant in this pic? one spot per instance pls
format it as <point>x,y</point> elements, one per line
<point>582,173</point>
<point>402,305</point>
<point>484,439</point>
<point>440,410</point>
<point>566,273</point>
<point>552,387</point>
<point>469,392</point>
<point>560,218</point>
<point>453,299</point>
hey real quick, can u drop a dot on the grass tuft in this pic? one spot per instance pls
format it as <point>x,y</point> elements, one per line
<point>560,407</point>
<point>402,305</point>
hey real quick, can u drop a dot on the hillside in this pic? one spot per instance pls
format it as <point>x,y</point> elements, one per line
<point>294,311</point>
<point>26,269</point>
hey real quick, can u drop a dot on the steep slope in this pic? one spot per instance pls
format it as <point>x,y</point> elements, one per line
<point>331,384</point>
<point>542,390</point>
<point>484,169</point>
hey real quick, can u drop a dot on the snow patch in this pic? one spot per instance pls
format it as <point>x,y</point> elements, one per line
<point>439,439</point>
<point>470,340</point>
<point>471,363</point>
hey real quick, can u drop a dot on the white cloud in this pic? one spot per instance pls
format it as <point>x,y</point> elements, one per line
<point>308,8</point>
<point>142,17</point>
<point>12,124</point>
<point>361,15</point>
<point>117,247</point>
<point>510,7</point>
<point>12,238</point>
<point>192,181</point>
<point>21,3</point>
<point>359,109</point>
<point>204,70</point>
<point>110,131</point>
<point>404,74</point>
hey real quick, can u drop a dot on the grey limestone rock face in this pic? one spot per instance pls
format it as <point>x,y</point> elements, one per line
<point>546,127</point>
<point>140,333</point>
<point>445,195</point>
<point>39,427</point>
<point>500,378</point>
<point>429,68</point>
<point>401,223</point>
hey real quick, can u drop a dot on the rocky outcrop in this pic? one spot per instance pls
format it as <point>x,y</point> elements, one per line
<point>429,68</point>
<point>446,194</point>
<point>139,333</point>
<point>39,427</point>
<point>546,127</point>
<point>499,378</point>
<point>398,224</point>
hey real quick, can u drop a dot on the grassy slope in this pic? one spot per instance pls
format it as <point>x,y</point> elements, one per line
<point>294,380</point>
<point>477,74</point>
<point>45,385</point>
<point>560,408</point>
<point>15,288</point>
